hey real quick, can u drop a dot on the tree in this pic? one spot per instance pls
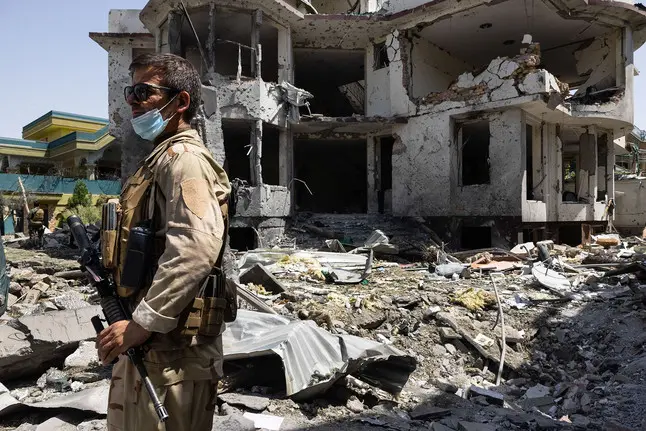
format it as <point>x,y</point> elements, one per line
<point>81,196</point>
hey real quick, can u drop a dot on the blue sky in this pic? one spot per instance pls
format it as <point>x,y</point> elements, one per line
<point>48,62</point>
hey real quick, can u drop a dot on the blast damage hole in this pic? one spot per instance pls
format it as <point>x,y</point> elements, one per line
<point>474,237</point>
<point>475,153</point>
<point>242,238</point>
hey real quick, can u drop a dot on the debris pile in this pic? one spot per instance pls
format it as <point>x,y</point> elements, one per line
<point>356,336</point>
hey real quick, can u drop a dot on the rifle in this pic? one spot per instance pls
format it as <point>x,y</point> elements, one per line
<point>113,308</point>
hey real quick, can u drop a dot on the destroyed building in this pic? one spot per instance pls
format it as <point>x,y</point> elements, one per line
<point>494,121</point>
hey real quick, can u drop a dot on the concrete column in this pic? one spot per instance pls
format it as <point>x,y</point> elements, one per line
<point>174,33</point>
<point>209,124</point>
<point>629,72</point>
<point>210,44</point>
<point>285,56</point>
<point>256,56</point>
<point>134,149</point>
<point>256,154</point>
<point>285,158</point>
<point>373,174</point>
<point>553,180</point>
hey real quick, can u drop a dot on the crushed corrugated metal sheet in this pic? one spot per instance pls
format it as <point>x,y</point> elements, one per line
<point>313,359</point>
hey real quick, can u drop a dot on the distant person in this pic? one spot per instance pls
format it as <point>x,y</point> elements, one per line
<point>35,220</point>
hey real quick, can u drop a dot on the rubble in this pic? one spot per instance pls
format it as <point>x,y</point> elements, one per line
<point>420,350</point>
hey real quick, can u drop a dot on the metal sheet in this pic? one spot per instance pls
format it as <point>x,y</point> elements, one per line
<point>313,358</point>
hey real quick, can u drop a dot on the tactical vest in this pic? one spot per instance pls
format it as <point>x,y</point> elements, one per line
<point>138,204</point>
<point>38,216</point>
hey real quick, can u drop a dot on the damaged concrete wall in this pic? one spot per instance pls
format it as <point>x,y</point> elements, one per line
<point>377,87</point>
<point>502,197</point>
<point>431,68</point>
<point>631,204</point>
<point>597,59</point>
<point>422,167</point>
<point>332,6</point>
<point>426,174</point>
<point>125,21</point>
<point>251,100</point>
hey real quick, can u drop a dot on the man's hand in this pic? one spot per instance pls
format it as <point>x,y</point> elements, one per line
<point>119,337</point>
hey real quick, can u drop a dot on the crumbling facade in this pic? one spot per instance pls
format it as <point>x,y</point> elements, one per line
<point>495,121</point>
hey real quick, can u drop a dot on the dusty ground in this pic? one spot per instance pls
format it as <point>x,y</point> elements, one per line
<point>580,363</point>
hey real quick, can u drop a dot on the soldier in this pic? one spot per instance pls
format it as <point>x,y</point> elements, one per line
<point>35,223</point>
<point>181,192</point>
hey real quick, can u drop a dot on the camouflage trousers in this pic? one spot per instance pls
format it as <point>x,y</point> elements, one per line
<point>190,403</point>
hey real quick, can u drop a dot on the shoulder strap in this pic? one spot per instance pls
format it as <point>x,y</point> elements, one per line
<point>224,207</point>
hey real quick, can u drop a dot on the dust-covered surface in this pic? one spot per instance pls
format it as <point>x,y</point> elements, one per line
<point>574,358</point>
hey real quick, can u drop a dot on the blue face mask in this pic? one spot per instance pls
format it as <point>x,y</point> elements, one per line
<point>149,125</point>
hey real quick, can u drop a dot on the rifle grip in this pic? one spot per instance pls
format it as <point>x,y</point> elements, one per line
<point>98,327</point>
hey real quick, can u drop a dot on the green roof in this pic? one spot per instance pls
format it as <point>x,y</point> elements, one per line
<point>70,137</point>
<point>68,115</point>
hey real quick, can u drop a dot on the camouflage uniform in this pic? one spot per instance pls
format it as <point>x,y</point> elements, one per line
<point>35,222</point>
<point>184,188</point>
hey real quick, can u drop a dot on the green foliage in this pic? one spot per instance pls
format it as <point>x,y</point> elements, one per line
<point>88,214</point>
<point>102,199</point>
<point>80,197</point>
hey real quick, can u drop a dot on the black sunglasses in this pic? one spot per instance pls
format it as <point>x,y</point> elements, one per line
<point>142,91</point>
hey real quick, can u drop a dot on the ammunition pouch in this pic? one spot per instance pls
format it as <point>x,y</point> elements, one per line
<point>109,235</point>
<point>138,264</point>
<point>216,304</point>
<point>217,300</point>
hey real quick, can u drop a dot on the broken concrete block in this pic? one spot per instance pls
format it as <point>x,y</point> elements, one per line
<point>233,423</point>
<point>444,385</point>
<point>42,286</point>
<point>491,396</point>
<point>94,425</point>
<point>57,423</point>
<point>465,80</point>
<point>249,402</point>
<point>258,274</point>
<point>448,334</point>
<point>507,90</point>
<point>355,405</point>
<point>32,343</point>
<point>514,336</point>
<point>84,357</point>
<point>426,412</point>
<point>439,427</point>
<point>70,301</point>
<point>33,295</point>
<point>507,68</point>
<point>15,288</point>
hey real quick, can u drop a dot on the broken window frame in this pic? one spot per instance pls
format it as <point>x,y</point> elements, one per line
<point>380,56</point>
<point>460,144</point>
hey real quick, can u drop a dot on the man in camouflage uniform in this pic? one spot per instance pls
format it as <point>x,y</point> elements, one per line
<point>36,225</point>
<point>181,188</point>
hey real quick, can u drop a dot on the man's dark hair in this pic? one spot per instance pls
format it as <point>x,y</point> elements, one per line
<point>177,73</point>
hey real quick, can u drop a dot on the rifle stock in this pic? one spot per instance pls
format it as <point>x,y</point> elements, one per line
<point>113,308</point>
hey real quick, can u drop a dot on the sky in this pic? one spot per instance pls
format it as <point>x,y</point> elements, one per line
<point>48,62</point>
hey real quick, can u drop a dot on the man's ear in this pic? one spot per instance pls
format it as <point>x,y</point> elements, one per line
<point>184,101</point>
